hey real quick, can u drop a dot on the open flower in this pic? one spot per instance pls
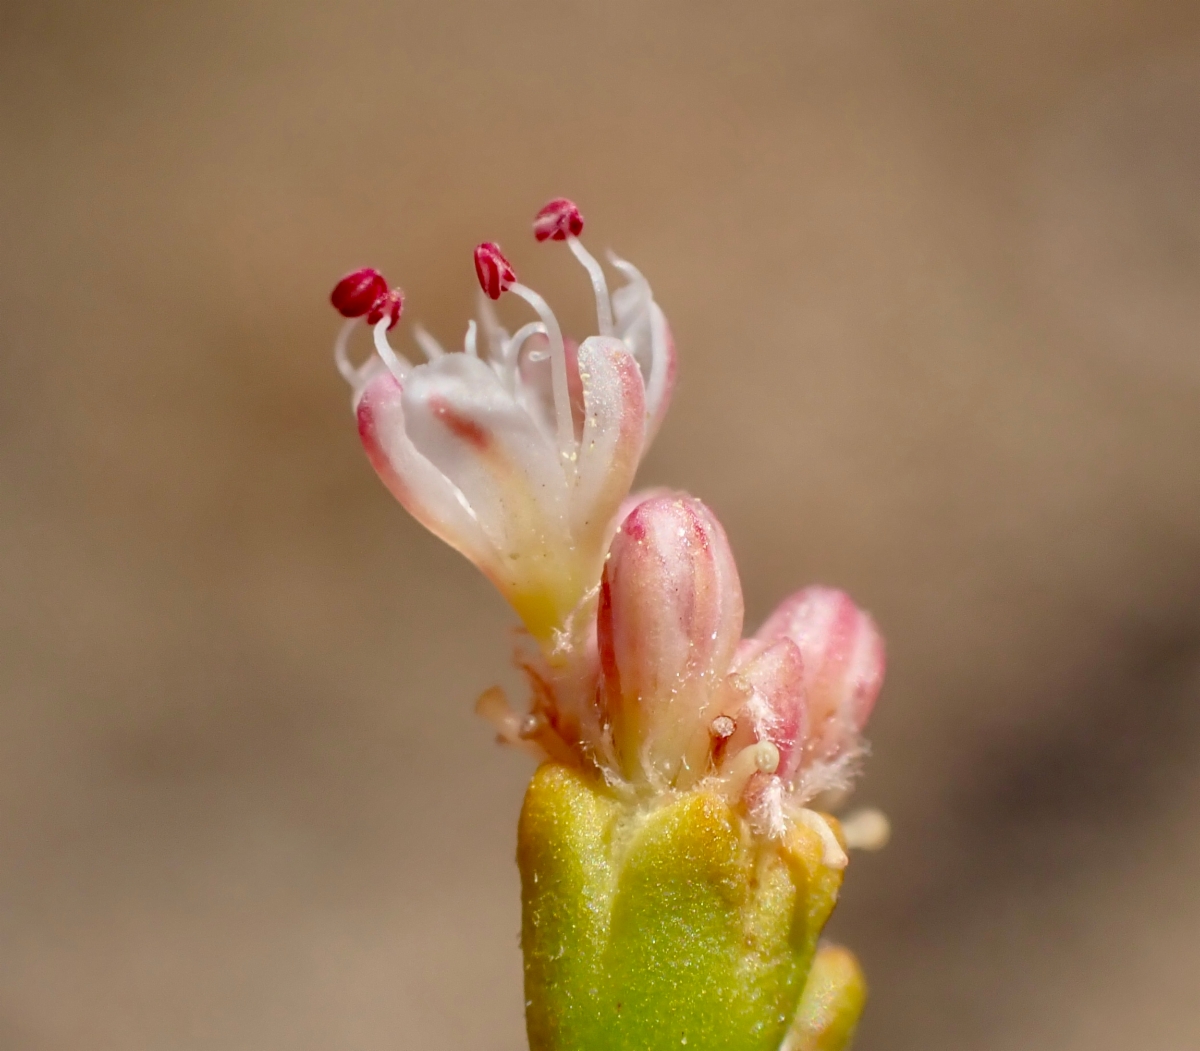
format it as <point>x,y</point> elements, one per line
<point>518,455</point>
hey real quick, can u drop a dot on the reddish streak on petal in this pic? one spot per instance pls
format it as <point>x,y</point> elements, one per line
<point>460,426</point>
<point>634,527</point>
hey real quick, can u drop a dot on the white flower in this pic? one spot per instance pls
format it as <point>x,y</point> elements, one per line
<point>521,456</point>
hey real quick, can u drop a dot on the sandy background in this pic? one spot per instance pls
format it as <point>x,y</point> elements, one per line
<point>934,272</point>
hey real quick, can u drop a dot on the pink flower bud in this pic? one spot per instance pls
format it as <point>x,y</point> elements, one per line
<point>357,292</point>
<point>558,219</point>
<point>390,305</point>
<point>768,678</point>
<point>843,657</point>
<point>494,271</point>
<point>669,622</point>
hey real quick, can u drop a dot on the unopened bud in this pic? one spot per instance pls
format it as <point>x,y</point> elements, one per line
<point>843,658</point>
<point>558,219</point>
<point>669,621</point>
<point>494,271</point>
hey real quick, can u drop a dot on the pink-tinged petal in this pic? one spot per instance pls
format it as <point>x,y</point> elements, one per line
<point>419,486</point>
<point>770,679</point>
<point>669,621</point>
<point>641,323</point>
<point>463,420</point>
<point>844,661</point>
<point>661,383</point>
<point>610,445</point>
<point>640,497</point>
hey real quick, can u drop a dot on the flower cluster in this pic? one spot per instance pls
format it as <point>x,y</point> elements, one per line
<point>522,457</point>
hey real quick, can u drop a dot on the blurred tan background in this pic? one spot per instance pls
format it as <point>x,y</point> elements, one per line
<point>934,272</point>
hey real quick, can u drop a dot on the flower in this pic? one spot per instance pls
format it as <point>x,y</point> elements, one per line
<point>675,870</point>
<point>522,458</point>
<point>519,458</point>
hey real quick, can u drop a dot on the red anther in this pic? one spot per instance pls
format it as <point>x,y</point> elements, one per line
<point>495,273</point>
<point>356,293</point>
<point>390,304</point>
<point>557,219</point>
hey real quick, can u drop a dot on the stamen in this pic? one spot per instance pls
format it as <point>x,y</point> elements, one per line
<point>511,354</point>
<point>557,220</point>
<point>390,305</point>
<point>561,220</point>
<point>599,285</point>
<point>497,276</point>
<point>558,371</point>
<point>431,348</point>
<point>398,365</point>
<point>495,273</point>
<point>357,292</point>
<point>469,344</point>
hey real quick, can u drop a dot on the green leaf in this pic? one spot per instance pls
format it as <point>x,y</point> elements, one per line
<point>648,927</point>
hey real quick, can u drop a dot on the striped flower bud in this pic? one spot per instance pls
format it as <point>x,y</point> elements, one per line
<point>669,622</point>
<point>843,657</point>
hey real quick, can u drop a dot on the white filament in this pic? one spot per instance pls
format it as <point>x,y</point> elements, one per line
<point>511,354</point>
<point>599,284</point>
<point>558,372</point>
<point>341,354</point>
<point>469,344</point>
<point>398,365</point>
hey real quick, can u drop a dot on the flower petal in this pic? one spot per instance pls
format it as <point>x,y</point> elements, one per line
<point>420,487</point>
<point>463,420</point>
<point>641,323</point>
<point>610,446</point>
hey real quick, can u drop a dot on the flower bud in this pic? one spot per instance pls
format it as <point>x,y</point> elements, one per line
<point>843,658</point>
<point>669,622</point>
<point>355,293</point>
